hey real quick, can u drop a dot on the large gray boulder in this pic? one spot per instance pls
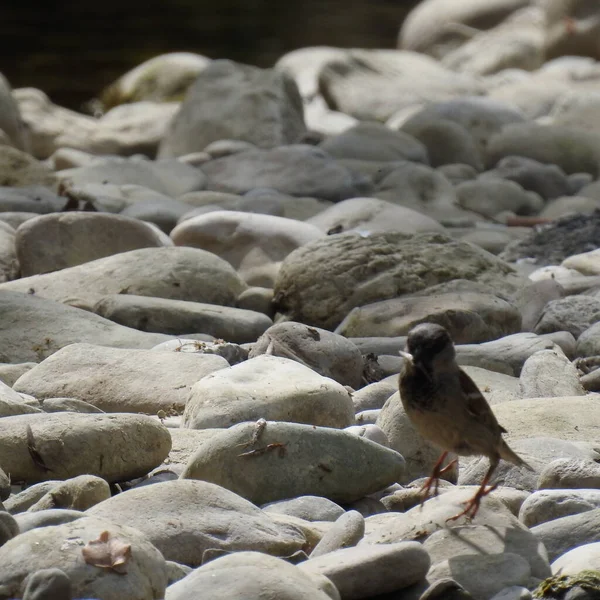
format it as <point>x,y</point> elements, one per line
<point>178,273</point>
<point>320,283</point>
<point>264,463</point>
<point>208,517</point>
<point>239,102</point>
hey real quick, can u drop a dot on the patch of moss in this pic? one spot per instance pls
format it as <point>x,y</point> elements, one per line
<point>558,585</point>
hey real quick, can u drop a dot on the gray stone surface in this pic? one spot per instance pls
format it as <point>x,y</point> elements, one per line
<point>179,317</point>
<point>60,240</point>
<point>117,379</point>
<point>38,327</point>
<point>263,107</point>
<point>114,447</point>
<point>145,576</point>
<point>177,273</point>
<point>298,170</point>
<point>185,518</point>
<point>327,353</point>
<point>252,575</point>
<point>321,282</point>
<point>267,387</point>
<point>294,464</point>
<point>367,570</point>
<point>469,317</point>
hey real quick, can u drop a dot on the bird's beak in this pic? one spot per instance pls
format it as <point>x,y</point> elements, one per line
<point>406,356</point>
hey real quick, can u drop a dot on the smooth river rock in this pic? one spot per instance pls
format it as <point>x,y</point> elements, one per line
<point>114,447</point>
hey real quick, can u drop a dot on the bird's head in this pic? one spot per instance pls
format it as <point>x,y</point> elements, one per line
<point>429,344</point>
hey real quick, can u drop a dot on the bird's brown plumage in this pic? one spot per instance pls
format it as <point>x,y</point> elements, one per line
<point>445,405</point>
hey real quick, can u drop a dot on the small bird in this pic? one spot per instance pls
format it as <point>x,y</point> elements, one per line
<point>447,408</point>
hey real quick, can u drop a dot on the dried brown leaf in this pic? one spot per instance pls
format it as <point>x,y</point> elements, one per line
<point>107,553</point>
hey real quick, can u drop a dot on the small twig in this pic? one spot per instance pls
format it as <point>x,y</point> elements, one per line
<point>258,451</point>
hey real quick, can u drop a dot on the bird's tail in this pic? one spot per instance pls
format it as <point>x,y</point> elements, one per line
<point>507,454</point>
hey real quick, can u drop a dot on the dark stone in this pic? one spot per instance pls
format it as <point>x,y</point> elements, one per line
<point>550,244</point>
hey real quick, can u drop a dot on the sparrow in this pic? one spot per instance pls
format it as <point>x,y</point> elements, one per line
<point>447,408</point>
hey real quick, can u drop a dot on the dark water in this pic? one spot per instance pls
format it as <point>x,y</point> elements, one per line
<point>71,49</point>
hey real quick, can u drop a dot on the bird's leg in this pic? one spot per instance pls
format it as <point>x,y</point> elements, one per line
<point>473,504</point>
<point>434,478</point>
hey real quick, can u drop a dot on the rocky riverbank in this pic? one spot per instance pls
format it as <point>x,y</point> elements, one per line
<point>204,288</point>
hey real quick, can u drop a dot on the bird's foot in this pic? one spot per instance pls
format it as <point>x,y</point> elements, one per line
<point>472,506</point>
<point>434,479</point>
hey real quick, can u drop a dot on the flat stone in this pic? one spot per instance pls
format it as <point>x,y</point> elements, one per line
<point>180,317</point>
<point>114,447</point>
<point>373,215</point>
<point>421,521</point>
<point>479,540</point>
<point>185,518</point>
<point>573,562</point>
<point>570,418</point>
<point>538,450</point>
<point>468,317</point>
<point>375,142</point>
<point>505,355</point>
<point>168,176</point>
<point>118,380</point>
<point>177,273</point>
<point>547,505</point>
<point>46,518</point>
<point>38,327</point>
<point>501,571</point>
<point>365,571</point>
<point>563,534</point>
<point>569,473</point>
<point>298,170</point>
<point>309,508</point>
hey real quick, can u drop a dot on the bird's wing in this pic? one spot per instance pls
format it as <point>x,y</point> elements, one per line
<point>476,403</point>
